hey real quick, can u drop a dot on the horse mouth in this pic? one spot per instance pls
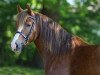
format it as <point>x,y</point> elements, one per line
<point>18,49</point>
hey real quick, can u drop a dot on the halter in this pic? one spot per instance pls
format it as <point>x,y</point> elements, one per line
<point>26,37</point>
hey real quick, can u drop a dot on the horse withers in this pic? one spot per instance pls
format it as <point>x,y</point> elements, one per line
<point>62,53</point>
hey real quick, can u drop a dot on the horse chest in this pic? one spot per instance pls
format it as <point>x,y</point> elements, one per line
<point>58,70</point>
<point>58,66</point>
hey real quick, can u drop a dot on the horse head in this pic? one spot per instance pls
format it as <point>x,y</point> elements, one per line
<point>26,29</point>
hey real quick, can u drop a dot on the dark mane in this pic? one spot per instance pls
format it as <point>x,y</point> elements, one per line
<point>56,39</point>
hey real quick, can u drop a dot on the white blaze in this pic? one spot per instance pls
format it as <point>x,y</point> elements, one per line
<point>13,45</point>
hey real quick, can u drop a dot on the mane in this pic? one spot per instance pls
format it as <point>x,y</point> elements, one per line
<point>55,38</point>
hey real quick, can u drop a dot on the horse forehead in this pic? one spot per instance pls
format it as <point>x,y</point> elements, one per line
<point>21,16</point>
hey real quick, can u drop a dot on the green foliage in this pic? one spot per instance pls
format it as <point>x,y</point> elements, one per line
<point>15,70</point>
<point>80,19</point>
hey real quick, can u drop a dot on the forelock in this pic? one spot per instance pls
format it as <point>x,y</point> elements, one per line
<point>21,17</point>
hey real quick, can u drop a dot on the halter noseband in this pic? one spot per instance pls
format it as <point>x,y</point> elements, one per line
<point>26,36</point>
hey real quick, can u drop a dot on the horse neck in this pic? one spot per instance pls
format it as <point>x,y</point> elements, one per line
<point>52,37</point>
<point>62,39</point>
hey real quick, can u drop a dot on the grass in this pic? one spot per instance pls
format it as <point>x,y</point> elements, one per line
<point>15,70</point>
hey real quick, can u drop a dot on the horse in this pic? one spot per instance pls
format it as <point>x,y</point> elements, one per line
<point>62,53</point>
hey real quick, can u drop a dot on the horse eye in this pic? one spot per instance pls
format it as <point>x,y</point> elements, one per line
<point>28,25</point>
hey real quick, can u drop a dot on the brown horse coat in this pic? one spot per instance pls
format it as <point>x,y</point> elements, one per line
<point>63,53</point>
<point>81,59</point>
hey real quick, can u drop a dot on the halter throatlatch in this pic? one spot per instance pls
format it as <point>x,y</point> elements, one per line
<point>26,37</point>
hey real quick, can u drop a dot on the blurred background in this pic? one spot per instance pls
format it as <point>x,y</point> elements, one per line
<point>78,17</point>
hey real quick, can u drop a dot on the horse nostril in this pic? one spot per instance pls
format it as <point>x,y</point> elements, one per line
<point>16,45</point>
<point>22,44</point>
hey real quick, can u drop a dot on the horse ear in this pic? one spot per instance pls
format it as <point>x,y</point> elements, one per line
<point>29,11</point>
<point>19,9</point>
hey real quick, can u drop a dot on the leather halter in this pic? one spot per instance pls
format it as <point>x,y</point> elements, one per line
<point>26,37</point>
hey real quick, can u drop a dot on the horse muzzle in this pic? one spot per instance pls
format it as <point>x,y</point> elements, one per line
<point>17,46</point>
